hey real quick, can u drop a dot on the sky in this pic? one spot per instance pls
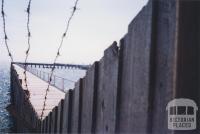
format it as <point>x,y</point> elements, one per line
<point>96,24</point>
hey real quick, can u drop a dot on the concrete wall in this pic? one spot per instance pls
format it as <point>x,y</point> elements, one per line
<point>26,119</point>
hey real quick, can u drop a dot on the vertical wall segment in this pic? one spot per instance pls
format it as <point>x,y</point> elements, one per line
<point>60,117</point>
<point>76,108</point>
<point>67,112</point>
<point>164,63</point>
<point>188,55</point>
<point>89,99</point>
<point>107,91</point>
<point>135,77</point>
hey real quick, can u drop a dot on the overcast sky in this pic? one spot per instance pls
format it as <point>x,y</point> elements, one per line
<point>94,27</point>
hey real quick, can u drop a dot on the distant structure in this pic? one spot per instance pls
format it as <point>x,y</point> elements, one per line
<point>127,91</point>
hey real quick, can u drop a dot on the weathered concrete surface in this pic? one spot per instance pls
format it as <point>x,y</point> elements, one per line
<point>107,91</point>
<point>89,99</point>
<point>135,74</point>
<point>60,116</point>
<point>188,55</point>
<point>67,112</point>
<point>160,59</point>
<point>163,64</point>
<point>76,108</point>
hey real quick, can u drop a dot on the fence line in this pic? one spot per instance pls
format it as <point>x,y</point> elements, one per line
<point>57,65</point>
<point>57,81</point>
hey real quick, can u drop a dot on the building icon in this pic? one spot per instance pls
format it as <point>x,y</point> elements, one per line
<point>182,114</point>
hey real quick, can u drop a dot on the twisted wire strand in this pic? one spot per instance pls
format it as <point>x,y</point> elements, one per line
<point>4,31</point>
<point>58,54</point>
<point>29,45</point>
<point>28,29</point>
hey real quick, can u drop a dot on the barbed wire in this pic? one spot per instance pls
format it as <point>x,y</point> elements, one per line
<point>28,29</point>
<point>58,54</point>
<point>29,45</point>
<point>4,31</point>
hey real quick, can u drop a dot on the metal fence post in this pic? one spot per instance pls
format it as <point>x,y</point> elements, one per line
<point>63,84</point>
<point>48,76</point>
<point>54,80</point>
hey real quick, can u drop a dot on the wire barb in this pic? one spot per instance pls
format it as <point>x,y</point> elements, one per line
<point>58,53</point>
<point>4,31</point>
